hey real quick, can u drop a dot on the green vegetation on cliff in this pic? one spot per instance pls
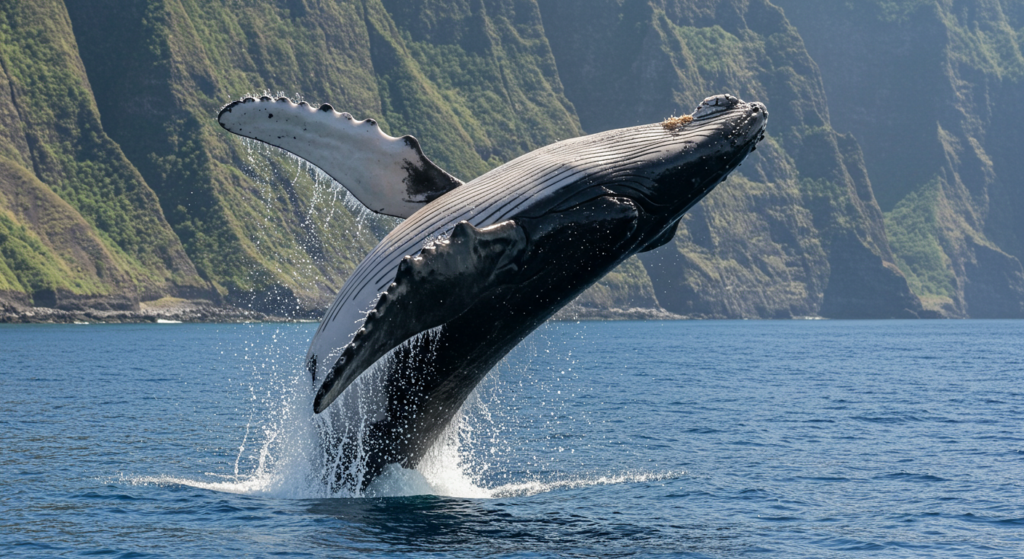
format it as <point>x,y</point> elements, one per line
<point>117,185</point>
<point>253,234</point>
<point>53,141</point>
<point>259,233</point>
<point>28,265</point>
<point>913,227</point>
<point>762,244</point>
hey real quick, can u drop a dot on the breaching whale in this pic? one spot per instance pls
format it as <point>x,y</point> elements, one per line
<point>476,267</point>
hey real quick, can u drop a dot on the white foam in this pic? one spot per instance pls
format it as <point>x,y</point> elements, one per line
<point>287,468</point>
<point>580,482</point>
<point>397,481</point>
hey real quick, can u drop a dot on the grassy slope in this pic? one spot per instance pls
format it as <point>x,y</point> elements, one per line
<point>763,244</point>
<point>939,144</point>
<point>105,234</point>
<point>47,245</point>
<point>491,64</point>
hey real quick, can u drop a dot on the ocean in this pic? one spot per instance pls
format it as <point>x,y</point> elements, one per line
<point>610,439</point>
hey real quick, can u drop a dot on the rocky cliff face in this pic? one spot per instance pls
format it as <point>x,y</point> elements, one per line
<point>797,231</point>
<point>930,90</point>
<point>884,178</point>
<point>265,232</point>
<point>79,227</point>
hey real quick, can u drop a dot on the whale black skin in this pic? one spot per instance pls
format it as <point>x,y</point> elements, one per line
<point>453,308</point>
<point>476,267</point>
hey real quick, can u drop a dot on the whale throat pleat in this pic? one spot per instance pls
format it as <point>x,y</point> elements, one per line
<point>388,175</point>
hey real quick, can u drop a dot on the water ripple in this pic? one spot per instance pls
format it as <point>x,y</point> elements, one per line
<point>704,439</point>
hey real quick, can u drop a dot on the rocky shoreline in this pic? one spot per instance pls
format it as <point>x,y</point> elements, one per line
<point>175,310</point>
<point>164,310</point>
<point>573,313</point>
<point>172,309</point>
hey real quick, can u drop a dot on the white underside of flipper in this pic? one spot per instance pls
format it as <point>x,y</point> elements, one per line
<point>388,175</point>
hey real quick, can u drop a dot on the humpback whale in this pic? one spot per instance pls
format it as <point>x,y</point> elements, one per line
<point>475,267</point>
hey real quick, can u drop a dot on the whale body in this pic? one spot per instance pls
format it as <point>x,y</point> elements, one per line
<point>476,267</point>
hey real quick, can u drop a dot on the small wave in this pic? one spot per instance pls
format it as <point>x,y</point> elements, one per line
<point>397,481</point>
<point>913,477</point>
<point>888,419</point>
<point>247,486</point>
<point>526,489</point>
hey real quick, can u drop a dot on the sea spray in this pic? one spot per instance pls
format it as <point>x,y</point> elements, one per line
<point>502,443</point>
<point>314,251</point>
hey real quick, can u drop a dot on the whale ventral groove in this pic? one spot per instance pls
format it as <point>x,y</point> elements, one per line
<point>476,267</point>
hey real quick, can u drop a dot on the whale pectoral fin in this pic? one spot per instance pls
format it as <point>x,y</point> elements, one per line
<point>663,239</point>
<point>430,289</point>
<point>388,175</point>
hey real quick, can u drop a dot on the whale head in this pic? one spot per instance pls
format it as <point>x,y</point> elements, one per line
<point>663,169</point>
<point>686,157</point>
<point>724,130</point>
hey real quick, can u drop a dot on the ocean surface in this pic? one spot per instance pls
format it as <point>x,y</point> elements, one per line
<point>648,439</point>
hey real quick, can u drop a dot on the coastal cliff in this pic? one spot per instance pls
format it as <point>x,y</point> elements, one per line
<point>796,231</point>
<point>476,91</point>
<point>888,186</point>
<point>79,227</point>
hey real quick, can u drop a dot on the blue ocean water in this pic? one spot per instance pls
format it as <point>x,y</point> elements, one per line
<point>651,439</point>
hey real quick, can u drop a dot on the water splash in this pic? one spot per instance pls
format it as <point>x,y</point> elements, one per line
<point>528,401</point>
<point>281,450</point>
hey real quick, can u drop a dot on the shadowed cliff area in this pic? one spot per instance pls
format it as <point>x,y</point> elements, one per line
<point>931,89</point>
<point>117,185</point>
<point>796,232</point>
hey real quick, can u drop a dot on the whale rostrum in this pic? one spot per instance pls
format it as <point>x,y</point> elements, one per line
<point>476,267</point>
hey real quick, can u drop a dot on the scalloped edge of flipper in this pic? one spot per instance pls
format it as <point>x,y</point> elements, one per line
<point>388,175</point>
<point>430,289</point>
